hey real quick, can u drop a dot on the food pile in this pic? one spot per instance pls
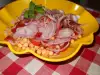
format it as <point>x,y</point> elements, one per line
<point>46,32</point>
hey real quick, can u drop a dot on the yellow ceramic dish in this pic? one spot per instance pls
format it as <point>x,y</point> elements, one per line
<point>14,9</point>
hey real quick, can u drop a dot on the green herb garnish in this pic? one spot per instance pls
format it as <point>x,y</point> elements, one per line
<point>31,6</point>
<point>30,13</point>
<point>39,9</point>
<point>26,14</point>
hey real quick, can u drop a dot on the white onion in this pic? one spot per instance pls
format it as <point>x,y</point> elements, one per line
<point>48,31</point>
<point>26,31</point>
<point>66,32</point>
<point>59,50</point>
<point>56,41</point>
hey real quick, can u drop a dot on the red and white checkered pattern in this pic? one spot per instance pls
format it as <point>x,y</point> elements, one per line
<point>87,63</point>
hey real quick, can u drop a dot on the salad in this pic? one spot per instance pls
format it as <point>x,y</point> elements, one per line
<point>46,32</point>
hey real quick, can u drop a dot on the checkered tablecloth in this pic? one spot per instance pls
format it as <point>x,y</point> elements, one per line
<point>86,62</point>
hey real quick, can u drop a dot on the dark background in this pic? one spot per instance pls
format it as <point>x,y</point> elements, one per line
<point>94,4</point>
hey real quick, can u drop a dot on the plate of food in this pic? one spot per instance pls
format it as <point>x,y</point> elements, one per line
<point>52,30</point>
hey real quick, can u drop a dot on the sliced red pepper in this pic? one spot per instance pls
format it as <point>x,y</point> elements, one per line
<point>14,30</point>
<point>64,46</point>
<point>41,18</point>
<point>75,33</point>
<point>9,38</point>
<point>52,46</point>
<point>47,19</point>
<point>58,29</point>
<point>26,20</point>
<point>35,42</point>
<point>38,34</point>
<point>45,41</point>
<point>19,24</point>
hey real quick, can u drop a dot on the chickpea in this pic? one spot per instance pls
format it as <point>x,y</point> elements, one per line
<point>47,53</point>
<point>28,41</point>
<point>42,47</point>
<point>21,42</point>
<point>33,49</point>
<point>72,41</point>
<point>17,42</point>
<point>25,40</point>
<point>50,53</point>
<point>8,31</point>
<point>19,45</point>
<point>79,36</point>
<point>18,39</point>
<point>39,51</point>
<point>23,48</point>
<point>57,46</point>
<point>31,45</point>
<point>36,47</point>
<point>55,54</point>
<point>25,45</point>
<point>44,52</point>
<point>52,38</point>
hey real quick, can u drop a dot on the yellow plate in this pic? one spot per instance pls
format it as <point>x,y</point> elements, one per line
<point>11,11</point>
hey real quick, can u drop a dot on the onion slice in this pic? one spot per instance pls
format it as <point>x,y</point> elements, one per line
<point>47,31</point>
<point>62,49</point>
<point>65,32</point>
<point>56,41</point>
